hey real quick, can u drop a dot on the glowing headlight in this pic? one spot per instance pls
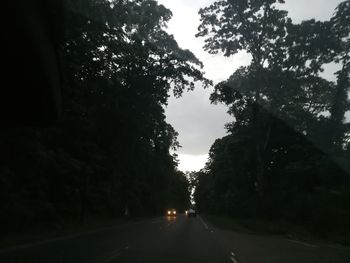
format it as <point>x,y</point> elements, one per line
<point>174,212</point>
<point>169,212</point>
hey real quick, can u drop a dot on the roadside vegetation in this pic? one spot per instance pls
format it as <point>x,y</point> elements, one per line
<point>109,156</point>
<point>287,153</point>
<point>286,158</point>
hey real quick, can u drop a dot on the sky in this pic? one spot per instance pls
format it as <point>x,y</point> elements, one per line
<point>198,122</point>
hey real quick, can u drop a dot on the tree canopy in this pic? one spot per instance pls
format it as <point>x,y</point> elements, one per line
<point>287,152</point>
<point>110,155</point>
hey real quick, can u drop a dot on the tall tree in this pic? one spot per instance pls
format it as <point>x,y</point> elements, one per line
<point>258,28</point>
<point>283,77</point>
<point>284,112</point>
<point>111,152</point>
<point>341,31</point>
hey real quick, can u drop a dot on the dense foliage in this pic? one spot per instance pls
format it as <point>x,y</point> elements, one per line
<point>287,154</point>
<point>110,155</point>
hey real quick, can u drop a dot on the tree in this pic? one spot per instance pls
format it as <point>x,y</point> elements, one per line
<point>283,77</point>
<point>341,31</point>
<point>111,152</point>
<point>277,163</point>
<point>258,28</point>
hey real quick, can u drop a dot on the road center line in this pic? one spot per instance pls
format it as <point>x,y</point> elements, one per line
<point>113,255</point>
<point>204,224</point>
<point>170,223</point>
<point>302,243</point>
<point>233,258</point>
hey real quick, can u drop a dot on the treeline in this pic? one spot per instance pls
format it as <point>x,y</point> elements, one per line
<point>110,153</point>
<point>287,155</point>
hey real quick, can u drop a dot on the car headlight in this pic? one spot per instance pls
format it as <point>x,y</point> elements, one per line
<point>174,212</point>
<point>169,212</point>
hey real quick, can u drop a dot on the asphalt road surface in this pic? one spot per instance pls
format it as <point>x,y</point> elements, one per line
<point>179,239</point>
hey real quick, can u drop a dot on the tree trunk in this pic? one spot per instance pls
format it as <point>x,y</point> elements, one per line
<point>338,110</point>
<point>257,124</point>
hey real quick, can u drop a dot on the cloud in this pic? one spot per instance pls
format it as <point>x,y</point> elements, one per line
<point>300,10</point>
<point>198,122</point>
<point>190,163</point>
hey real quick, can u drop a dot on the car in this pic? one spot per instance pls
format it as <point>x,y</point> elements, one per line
<point>171,212</point>
<point>191,213</point>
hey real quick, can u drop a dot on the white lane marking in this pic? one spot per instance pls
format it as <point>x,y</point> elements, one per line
<point>111,256</point>
<point>204,224</point>
<point>169,224</point>
<point>302,243</point>
<point>115,254</point>
<point>233,258</point>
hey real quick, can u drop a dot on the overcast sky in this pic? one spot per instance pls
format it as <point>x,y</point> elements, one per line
<point>198,122</point>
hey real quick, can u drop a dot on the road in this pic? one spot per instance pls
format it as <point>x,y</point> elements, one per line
<point>179,239</point>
